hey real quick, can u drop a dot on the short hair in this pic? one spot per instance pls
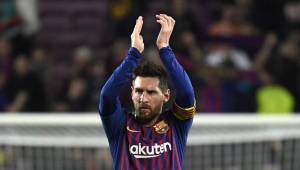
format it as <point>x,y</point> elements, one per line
<point>151,69</point>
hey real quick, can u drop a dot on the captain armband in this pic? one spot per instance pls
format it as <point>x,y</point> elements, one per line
<point>184,113</point>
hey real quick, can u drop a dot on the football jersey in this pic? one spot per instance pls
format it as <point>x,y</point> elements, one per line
<point>160,146</point>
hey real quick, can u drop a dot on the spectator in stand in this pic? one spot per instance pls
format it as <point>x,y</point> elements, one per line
<point>24,41</point>
<point>273,98</point>
<point>278,66</point>
<point>123,13</point>
<point>231,23</point>
<point>5,57</point>
<point>81,62</point>
<point>26,91</point>
<point>98,74</point>
<point>4,100</point>
<point>231,67</point>
<point>40,62</point>
<point>219,88</point>
<point>76,89</point>
<point>287,66</point>
<point>117,52</point>
<point>270,18</point>
<point>5,72</point>
<point>292,13</point>
<point>184,12</point>
<point>77,96</point>
<point>280,59</point>
<point>9,19</point>
<point>226,32</point>
<point>210,92</point>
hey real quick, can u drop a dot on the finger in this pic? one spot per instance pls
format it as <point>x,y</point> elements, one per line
<point>159,17</point>
<point>172,21</point>
<point>138,26</point>
<point>163,19</point>
<point>168,19</point>
<point>160,22</point>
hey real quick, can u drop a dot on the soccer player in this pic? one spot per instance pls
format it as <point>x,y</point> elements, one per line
<point>149,138</point>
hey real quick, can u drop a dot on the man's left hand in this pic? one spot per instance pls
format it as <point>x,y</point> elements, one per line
<point>167,25</point>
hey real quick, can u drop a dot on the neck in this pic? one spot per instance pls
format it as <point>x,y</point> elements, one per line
<point>152,122</point>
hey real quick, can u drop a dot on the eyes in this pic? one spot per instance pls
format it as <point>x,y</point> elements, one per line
<point>149,92</point>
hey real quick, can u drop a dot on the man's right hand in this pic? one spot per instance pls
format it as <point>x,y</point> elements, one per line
<point>136,38</point>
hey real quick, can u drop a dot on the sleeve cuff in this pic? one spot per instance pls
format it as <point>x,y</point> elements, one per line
<point>165,49</point>
<point>134,52</point>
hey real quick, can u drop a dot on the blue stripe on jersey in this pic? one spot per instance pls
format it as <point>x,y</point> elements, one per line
<point>177,164</point>
<point>123,160</point>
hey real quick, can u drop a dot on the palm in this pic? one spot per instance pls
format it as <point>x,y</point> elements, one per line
<point>136,38</point>
<point>162,39</point>
<point>167,25</point>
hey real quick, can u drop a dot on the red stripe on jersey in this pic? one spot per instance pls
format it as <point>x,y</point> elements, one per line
<point>152,143</point>
<point>146,163</point>
<point>176,153</point>
<point>137,161</point>
<point>153,160</point>
<point>167,161</point>
<point>126,151</point>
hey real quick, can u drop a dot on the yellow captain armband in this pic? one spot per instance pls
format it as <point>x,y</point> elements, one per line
<point>183,113</point>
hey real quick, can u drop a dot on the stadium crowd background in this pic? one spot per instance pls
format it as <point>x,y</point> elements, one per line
<point>242,55</point>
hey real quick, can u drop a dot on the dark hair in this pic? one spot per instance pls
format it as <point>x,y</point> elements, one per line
<point>151,69</point>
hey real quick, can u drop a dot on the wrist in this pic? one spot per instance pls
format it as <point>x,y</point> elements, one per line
<point>162,46</point>
<point>140,50</point>
<point>135,51</point>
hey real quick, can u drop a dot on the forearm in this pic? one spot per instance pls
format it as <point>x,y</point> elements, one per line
<point>185,96</point>
<point>109,101</point>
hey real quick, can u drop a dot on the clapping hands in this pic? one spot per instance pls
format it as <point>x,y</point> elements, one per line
<point>167,25</point>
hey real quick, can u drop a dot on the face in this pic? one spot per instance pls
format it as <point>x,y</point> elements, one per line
<point>148,98</point>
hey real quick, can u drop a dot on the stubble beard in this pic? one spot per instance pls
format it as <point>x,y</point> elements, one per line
<point>145,116</point>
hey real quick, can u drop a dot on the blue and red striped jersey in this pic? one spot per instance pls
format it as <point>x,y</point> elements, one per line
<point>134,146</point>
<point>158,147</point>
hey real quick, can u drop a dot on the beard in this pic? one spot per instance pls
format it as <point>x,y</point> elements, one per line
<point>144,114</point>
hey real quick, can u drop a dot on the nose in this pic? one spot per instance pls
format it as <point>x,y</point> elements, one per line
<point>143,98</point>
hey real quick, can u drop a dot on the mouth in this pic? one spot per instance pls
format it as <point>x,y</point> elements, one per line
<point>144,109</point>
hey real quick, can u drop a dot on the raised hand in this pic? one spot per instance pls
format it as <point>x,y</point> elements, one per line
<point>136,38</point>
<point>167,25</point>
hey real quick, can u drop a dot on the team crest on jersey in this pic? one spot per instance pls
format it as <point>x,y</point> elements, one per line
<point>161,127</point>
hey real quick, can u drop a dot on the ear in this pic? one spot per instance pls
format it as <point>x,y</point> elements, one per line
<point>132,88</point>
<point>167,95</point>
<point>132,91</point>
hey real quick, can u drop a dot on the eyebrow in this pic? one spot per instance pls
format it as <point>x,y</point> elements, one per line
<point>140,89</point>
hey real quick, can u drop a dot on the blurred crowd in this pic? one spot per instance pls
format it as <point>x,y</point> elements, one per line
<point>241,55</point>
